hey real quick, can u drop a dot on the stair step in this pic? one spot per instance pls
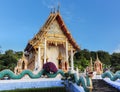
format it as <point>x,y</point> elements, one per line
<point>100,85</point>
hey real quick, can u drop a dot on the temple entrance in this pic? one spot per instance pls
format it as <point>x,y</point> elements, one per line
<point>23,65</point>
<point>60,64</point>
<point>65,65</point>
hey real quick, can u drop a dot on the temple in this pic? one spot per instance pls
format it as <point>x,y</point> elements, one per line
<point>53,43</point>
<point>98,66</point>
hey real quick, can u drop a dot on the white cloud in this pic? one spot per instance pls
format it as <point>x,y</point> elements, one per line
<point>50,3</point>
<point>67,15</point>
<point>117,50</point>
<point>66,12</point>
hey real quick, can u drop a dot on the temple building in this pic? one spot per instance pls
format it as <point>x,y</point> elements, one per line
<point>53,43</point>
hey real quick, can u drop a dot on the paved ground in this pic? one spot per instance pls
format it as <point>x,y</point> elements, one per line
<point>100,85</point>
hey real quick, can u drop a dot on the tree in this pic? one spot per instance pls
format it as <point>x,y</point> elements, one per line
<point>93,55</point>
<point>82,63</point>
<point>18,54</point>
<point>115,61</point>
<point>9,52</point>
<point>83,53</point>
<point>81,59</point>
<point>0,50</point>
<point>9,59</point>
<point>86,54</point>
<point>104,57</point>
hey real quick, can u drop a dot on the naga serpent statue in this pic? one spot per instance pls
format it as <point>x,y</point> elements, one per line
<point>111,75</point>
<point>10,74</point>
<point>83,81</point>
<point>86,82</point>
<point>47,69</point>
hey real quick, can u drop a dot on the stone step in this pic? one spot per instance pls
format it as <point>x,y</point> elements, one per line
<point>100,85</point>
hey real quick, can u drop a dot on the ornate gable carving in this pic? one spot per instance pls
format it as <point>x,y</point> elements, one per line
<point>55,29</point>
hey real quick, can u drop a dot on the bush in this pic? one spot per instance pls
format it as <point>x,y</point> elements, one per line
<point>50,67</point>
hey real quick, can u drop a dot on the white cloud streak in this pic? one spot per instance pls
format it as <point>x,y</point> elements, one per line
<point>117,50</point>
<point>50,3</point>
<point>66,11</point>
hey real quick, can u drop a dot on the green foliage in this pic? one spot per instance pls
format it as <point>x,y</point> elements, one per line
<point>82,59</point>
<point>82,53</point>
<point>0,50</point>
<point>81,64</point>
<point>115,61</point>
<point>104,57</point>
<point>69,77</point>
<point>93,55</point>
<point>9,59</point>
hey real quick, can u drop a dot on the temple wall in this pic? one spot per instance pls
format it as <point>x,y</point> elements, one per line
<point>30,56</point>
<point>62,51</point>
<point>31,65</point>
<point>36,60</point>
<point>52,54</point>
<point>42,57</point>
<point>31,60</point>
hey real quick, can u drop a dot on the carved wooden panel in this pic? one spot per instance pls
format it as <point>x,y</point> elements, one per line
<point>55,29</point>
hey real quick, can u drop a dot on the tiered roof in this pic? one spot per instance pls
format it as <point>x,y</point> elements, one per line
<point>38,37</point>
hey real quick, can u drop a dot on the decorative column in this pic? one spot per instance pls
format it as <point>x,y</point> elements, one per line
<point>38,63</point>
<point>25,64</point>
<point>66,50</point>
<point>72,65</point>
<point>91,65</point>
<point>45,52</point>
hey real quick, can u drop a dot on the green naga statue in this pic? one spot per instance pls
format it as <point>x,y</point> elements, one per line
<point>84,81</point>
<point>10,74</point>
<point>111,75</point>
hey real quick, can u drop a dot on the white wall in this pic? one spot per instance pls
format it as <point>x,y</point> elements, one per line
<point>52,53</point>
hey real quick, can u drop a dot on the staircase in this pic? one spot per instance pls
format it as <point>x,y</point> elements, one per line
<point>100,85</point>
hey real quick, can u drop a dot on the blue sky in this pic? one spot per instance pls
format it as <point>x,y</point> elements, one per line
<point>94,24</point>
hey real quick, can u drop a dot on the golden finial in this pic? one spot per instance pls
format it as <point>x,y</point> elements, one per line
<point>54,10</point>
<point>51,10</point>
<point>23,54</point>
<point>91,65</point>
<point>91,61</point>
<point>58,7</point>
<point>97,56</point>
